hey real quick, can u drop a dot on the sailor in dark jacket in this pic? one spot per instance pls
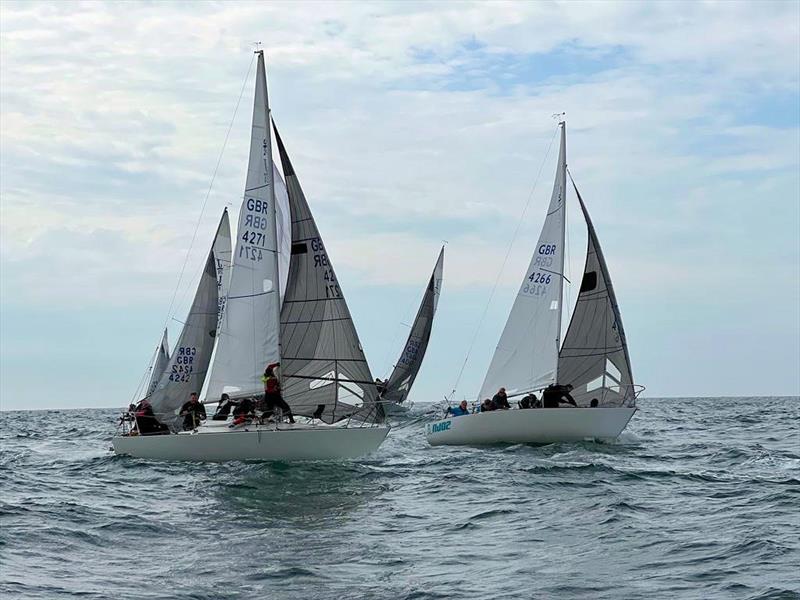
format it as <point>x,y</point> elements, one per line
<point>555,393</point>
<point>500,399</point>
<point>192,412</point>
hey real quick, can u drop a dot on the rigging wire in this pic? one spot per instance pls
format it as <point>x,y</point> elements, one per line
<point>208,194</point>
<point>197,226</point>
<point>502,266</point>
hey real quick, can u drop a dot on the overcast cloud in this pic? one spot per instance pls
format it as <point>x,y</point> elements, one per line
<point>408,123</point>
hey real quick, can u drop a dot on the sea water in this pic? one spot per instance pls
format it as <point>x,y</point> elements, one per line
<point>699,498</point>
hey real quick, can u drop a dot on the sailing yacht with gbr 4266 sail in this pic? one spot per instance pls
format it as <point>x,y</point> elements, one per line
<point>529,357</point>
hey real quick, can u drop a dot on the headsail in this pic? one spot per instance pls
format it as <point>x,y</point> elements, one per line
<point>594,357</point>
<point>159,364</point>
<point>322,362</point>
<point>283,228</point>
<point>249,332</point>
<point>188,365</point>
<point>405,371</point>
<point>526,357</point>
<point>222,259</point>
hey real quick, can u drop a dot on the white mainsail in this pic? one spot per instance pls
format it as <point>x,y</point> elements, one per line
<point>159,364</point>
<point>248,339</point>
<point>526,357</point>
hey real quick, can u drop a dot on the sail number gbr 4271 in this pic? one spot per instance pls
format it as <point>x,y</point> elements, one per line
<point>537,282</point>
<point>254,238</point>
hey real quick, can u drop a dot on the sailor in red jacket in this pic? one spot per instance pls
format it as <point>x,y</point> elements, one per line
<point>272,394</point>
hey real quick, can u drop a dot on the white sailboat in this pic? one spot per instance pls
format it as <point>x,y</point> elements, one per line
<point>309,331</point>
<point>530,356</point>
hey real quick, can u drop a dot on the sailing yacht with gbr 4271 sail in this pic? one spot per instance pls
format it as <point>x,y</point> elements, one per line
<point>239,324</point>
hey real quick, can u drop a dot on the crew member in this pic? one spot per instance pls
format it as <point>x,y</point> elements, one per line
<point>272,394</point>
<point>555,393</point>
<point>192,412</point>
<point>500,399</point>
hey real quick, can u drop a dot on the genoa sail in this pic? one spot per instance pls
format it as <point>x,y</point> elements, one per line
<point>159,364</point>
<point>283,228</point>
<point>526,357</point>
<point>323,368</point>
<point>222,259</point>
<point>398,386</point>
<point>594,357</point>
<point>249,333</point>
<point>188,365</point>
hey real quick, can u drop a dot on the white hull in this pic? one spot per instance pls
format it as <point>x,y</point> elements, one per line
<point>530,426</point>
<point>217,443</point>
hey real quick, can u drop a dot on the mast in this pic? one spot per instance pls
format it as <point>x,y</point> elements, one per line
<point>562,185</point>
<point>273,214</point>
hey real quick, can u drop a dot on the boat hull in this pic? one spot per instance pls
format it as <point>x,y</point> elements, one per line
<point>531,426</point>
<point>284,444</point>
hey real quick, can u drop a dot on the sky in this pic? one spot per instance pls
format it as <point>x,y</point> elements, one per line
<point>408,124</point>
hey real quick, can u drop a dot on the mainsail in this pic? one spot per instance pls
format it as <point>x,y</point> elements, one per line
<point>159,364</point>
<point>405,371</point>
<point>526,357</point>
<point>594,357</point>
<point>323,367</point>
<point>187,367</point>
<point>249,332</point>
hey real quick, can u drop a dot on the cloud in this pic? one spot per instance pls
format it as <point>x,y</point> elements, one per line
<point>407,124</point>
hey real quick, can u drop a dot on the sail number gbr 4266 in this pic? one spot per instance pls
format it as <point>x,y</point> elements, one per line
<point>537,282</point>
<point>254,238</point>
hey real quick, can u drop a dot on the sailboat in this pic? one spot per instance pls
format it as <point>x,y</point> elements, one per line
<point>529,357</point>
<point>398,386</point>
<point>255,319</point>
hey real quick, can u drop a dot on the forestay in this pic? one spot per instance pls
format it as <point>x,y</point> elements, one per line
<point>405,371</point>
<point>159,364</point>
<point>323,368</point>
<point>526,357</point>
<point>249,331</point>
<point>188,365</point>
<point>594,357</point>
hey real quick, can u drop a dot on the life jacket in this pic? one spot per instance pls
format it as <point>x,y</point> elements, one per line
<point>271,385</point>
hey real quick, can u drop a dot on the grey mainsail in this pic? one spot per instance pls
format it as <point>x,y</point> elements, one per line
<point>323,368</point>
<point>159,364</point>
<point>594,356</point>
<point>188,365</point>
<point>405,371</point>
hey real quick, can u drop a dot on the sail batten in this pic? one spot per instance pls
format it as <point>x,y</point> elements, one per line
<point>526,357</point>
<point>320,349</point>
<point>405,371</point>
